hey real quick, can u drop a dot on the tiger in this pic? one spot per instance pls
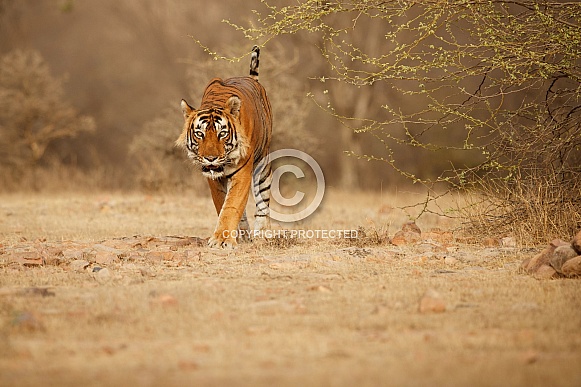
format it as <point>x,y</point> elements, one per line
<point>228,138</point>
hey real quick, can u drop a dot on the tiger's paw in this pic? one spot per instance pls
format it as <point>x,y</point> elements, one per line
<point>262,223</point>
<point>222,243</point>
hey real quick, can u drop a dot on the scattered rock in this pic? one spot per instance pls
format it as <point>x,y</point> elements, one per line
<point>411,227</point>
<point>52,256</point>
<point>410,233</point>
<point>572,268</point>
<point>146,272</point>
<point>160,256</point>
<point>27,258</point>
<point>559,242</point>
<point>561,255</point>
<point>546,272</point>
<point>432,302</point>
<point>402,238</point>
<point>78,265</point>
<point>103,275</point>
<point>576,243</point>
<point>558,259</point>
<point>433,247</point>
<point>104,257</point>
<point>436,235</point>
<point>450,261</point>
<point>99,247</point>
<point>543,258</point>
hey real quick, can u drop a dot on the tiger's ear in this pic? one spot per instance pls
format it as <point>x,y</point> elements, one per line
<point>233,106</point>
<point>186,109</point>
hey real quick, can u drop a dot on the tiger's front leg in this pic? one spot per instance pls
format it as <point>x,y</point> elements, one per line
<point>232,207</point>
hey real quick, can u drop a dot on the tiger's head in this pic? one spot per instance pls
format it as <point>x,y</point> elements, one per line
<point>211,137</point>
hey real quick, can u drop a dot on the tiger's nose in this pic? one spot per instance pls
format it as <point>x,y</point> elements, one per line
<point>210,158</point>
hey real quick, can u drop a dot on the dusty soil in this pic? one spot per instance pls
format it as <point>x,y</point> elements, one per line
<point>100,289</point>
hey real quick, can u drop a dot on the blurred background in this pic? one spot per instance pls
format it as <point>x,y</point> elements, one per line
<point>90,92</point>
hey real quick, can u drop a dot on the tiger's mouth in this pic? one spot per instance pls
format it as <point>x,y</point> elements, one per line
<point>213,171</point>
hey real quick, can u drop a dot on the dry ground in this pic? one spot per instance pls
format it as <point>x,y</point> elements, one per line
<point>99,289</point>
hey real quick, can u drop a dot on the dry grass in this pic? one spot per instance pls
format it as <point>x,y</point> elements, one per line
<point>533,210</point>
<point>312,312</point>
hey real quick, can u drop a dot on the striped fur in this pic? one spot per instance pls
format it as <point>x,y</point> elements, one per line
<point>228,137</point>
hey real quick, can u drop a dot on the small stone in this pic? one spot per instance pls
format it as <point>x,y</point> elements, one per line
<point>450,261</point>
<point>443,237</point>
<point>402,238</point>
<point>103,275</point>
<point>51,255</point>
<point>543,258</point>
<point>26,258</point>
<point>576,243</point>
<point>103,248</point>
<point>73,254</point>
<point>78,265</point>
<point>160,256</point>
<point>561,255</point>
<point>432,302</point>
<point>572,268</point>
<point>409,233</point>
<point>558,242</point>
<point>146,272</point>
<point>104,257</point>
<point>546,272</point>
<point>411,227</point>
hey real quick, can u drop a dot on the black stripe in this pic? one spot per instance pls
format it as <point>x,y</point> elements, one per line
<point>263,178</point>
<point>242,166</point>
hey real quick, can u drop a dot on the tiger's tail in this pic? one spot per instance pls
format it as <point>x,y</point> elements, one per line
<point>254,62</point>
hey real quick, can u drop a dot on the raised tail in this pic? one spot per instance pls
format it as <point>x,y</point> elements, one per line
<point>254,62</point>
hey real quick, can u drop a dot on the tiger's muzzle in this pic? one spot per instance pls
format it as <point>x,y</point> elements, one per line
<point>212,167</point>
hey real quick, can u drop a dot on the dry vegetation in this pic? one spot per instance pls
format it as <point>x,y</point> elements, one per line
<point>105,307</point>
